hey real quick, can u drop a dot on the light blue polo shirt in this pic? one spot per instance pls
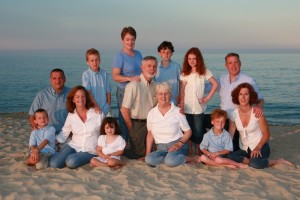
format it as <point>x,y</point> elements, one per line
<point>129,65</point>
<point>98,83</point>
<point>170,74</point>
<point>214,143</point>
<point>54,104</point>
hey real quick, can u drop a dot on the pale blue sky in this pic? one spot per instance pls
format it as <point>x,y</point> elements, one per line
<point>214,24</point>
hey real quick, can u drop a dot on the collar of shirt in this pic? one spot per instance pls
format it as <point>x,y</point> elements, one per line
<point>236,78</point>
<point>91,71</point>
<point>54,93</point>
<point>143,80</point>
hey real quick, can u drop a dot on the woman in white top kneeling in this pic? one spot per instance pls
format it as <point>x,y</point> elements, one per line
<point>169,129</point>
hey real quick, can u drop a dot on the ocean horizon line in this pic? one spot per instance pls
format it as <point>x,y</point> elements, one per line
<point>179,50</point>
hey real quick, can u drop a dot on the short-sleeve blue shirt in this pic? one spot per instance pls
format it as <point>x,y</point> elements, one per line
<point>38,136</point>
<point>170,74</point>
<point>214,143</point>
<point>98,83</point>
<point>54,104</point>
<point>129,65</point>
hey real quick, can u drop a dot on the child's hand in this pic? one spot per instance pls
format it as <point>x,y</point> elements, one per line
<point>106,156</point>
<point>203,100</point>
<point>34,154</point>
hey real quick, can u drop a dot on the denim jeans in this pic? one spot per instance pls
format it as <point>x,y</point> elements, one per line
<point>69,157</point>
<point>196,122</point>
<point>171,159</point>
<point>124,130</point>
<point>258,163</point>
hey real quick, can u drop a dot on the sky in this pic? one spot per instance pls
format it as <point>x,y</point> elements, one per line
<point>210,25</point>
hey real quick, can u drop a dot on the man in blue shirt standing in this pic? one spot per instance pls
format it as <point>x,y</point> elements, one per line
<point>53,100</point>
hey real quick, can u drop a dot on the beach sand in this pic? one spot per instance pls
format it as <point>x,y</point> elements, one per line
<point>136,180</point>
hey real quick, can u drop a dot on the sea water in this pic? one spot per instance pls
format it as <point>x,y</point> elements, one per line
<point>24,73</point>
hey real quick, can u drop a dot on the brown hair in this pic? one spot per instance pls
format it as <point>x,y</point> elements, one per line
<point>217,113</point>
<point>187,69</point>
<point>253,94</point>
<point>232,55</point>
<point>58,70</point>
<point>40,110</point>
<point>112,122</point>
<point>71,105</point>
<point>91,51</point>
<point>128,30</point>
<point>165,45</point>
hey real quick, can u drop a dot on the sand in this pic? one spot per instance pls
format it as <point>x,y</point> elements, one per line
<point>136,180</point>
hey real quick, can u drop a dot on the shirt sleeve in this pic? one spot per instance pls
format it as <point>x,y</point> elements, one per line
<point>101,141</point>
<point>108,86</point>
<point>86,81</point>
<point>118,61</point>
<point>32,139</point>
<point>184,125</point>
<point>149,120</point>
<point>121,143</point>
<point>208,74</point>
<point>36,104</point>
<point>204,143</point>
<point>129,95</point>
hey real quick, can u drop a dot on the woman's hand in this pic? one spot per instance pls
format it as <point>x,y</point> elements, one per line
<point>255,153</point>
<point>135,78</point>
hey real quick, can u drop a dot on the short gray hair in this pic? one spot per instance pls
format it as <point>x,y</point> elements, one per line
<point>165,86</point>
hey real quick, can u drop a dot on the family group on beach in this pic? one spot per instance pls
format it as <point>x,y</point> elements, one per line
<point>161,114</point>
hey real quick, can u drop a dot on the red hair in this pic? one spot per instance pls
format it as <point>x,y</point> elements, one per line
<point>200,65</point>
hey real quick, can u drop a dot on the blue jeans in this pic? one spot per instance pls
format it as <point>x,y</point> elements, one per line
<point>171,159</point>
<point>196,122</point>
<point>258,163</point>
<point>69,157</point>
<point>124,130</point>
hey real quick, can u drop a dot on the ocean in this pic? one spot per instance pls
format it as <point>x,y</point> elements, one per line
<point>25,72</point>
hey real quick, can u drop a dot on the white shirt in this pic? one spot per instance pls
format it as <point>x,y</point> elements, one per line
<point>117,145</point>
<point>250,135</point>
<point>166,128</point>
<point>85,134</point>
<point>194,90</point>
<point>226,88</point>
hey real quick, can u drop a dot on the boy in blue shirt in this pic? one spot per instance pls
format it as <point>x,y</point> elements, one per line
<point>96,81</point>
<point>42,141</point>
<point>168,70</point>
<point>217,143</point>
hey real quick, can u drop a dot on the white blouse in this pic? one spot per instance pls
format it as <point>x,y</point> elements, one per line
<point>194,90</point>
<point>85,134</point>
<point>250,135</point>
<point>166,128</point>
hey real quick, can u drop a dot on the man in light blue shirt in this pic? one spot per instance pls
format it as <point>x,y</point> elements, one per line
<point>53,100</point>
<point>168,70</point>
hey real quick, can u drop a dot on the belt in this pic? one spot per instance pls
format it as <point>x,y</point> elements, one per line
<point>139,120</point>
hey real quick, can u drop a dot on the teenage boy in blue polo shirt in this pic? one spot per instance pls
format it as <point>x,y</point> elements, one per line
<point>168,70</point>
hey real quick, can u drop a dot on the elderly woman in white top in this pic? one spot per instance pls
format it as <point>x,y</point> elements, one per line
<point>169,129</point>
<point>84,123</point>
<point>254,132</point>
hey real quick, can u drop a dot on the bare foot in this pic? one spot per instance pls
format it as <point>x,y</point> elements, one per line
<point>231,166</point>
<point>191,159</point>
<point>283,161</point>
